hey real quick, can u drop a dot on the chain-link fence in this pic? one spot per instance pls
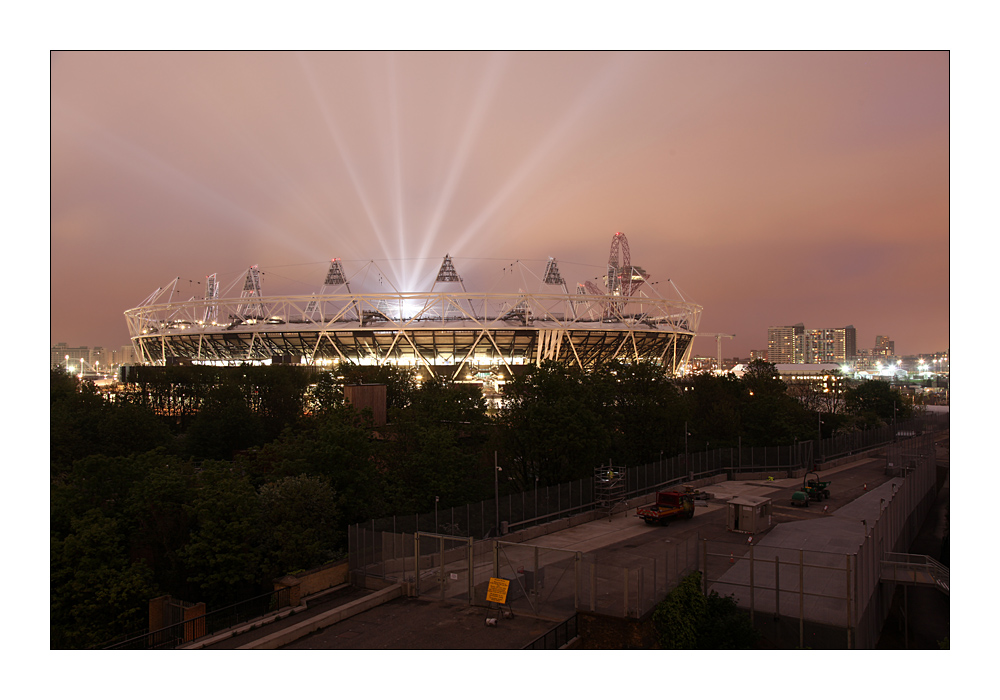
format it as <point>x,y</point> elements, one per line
<point>837,596</point>
<point>512,511</point>
<point>825,599</point>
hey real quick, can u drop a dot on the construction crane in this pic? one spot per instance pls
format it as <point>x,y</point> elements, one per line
<point>718,348</point>
<point>718,345</point>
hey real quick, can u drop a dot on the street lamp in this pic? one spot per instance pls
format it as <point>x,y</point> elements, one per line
<point>496,489</point>
<point>436,530</point>
<point>536,495</point>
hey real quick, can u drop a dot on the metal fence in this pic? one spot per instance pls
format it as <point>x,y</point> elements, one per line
<point>559,636</point>
<point>512,511</point>
<point>451,562</point>
<point>545,582</point>
<point>802,598</point>
<point>172,636</point>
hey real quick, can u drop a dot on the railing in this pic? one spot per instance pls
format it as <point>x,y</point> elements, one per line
<point>917,569</point>
<point>557,637</point>
<point>173,636</point>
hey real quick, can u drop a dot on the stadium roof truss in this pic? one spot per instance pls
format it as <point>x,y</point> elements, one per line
<point>441,331</point>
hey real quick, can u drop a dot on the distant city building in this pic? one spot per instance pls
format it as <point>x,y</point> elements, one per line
<point>829,345</point>
<point>758,355</point>
<point>796,345</point>
<point>784,344</point>
<point>702,364</point>
<point>62,355</point>
<point>826,376</point>
<point>125,356</point>
<point>863,359</point>
<point>89,359</point>
<point>884,347</point>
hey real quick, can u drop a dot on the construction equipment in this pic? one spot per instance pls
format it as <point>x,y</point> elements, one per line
<point>669,505</point>
<point>812,489</point>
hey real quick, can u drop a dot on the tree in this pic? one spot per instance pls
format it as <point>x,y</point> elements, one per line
<point>875,402</point>
<point>645,411</point>
<point>224,425</point>
<point>337,445</point>
<point>552,425</point>
<point>300,524</point>
<point>435,446</point>
<point>715,407</point>
<point>223,556</point>
<point>158,516</point>
<point>761,378</point>
<point>96,593</point>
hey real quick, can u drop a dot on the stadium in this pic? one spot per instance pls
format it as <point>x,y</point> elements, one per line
<point>447,331</point>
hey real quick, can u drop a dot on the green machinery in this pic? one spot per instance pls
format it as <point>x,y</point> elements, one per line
<point>812,490</point>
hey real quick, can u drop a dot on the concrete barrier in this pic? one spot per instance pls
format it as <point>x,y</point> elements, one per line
<point>323,620</point>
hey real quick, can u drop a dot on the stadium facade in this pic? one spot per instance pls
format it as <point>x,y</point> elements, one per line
<point>453,333</point>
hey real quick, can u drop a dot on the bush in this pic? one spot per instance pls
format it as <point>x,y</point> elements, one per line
<point>686,619</point>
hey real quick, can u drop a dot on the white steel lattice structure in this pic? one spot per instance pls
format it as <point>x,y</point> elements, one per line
<point>441,331</point>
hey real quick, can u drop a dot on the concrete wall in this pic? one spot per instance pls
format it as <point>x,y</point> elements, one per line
<point>607,632</point>
<point>323,620</point>
<point>872,453</point>
<point>323,577</point>
<point>315,580</point>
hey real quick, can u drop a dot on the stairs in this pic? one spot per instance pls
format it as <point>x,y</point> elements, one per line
<point>915,569</point>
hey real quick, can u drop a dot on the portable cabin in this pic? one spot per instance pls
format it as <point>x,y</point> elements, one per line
<point>748,514</point>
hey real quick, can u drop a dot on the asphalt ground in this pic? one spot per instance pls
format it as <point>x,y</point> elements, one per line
<point>418,623</point>
<point>320,603</point>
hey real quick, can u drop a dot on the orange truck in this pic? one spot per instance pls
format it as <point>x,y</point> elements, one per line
<point>669,505</point>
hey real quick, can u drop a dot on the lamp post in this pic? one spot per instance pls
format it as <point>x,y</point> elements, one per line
<point>436,530</point>
<point>685,445</point>
<point>536,495</point>
<point>496,489</point>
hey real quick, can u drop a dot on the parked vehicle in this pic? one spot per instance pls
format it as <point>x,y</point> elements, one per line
<point>668,505</point>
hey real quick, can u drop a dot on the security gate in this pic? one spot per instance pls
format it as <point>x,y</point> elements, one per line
<point>442,566</point>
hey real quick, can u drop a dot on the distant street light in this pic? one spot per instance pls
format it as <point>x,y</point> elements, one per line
<point>436,530</point>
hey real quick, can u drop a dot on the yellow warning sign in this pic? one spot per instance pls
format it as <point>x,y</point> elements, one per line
<point>497,592</point>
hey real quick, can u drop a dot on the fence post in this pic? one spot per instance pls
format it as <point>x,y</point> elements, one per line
<point>847,588</point>
<point>441,574</point>
<point>704,582</point>
<point>625,571</point>
<point>535,582</point>
<point>576,580</point>
<point>802,603</point>
<point>639,592</point>
<point>472,572</point>
<point>593,587</point>
<point>777,589</point>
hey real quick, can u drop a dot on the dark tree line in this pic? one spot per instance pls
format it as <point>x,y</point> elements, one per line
<point>207,483</point>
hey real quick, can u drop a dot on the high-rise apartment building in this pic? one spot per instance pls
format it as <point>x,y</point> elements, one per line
<point>829,345</point>
<point>884,347</point>
<point>784,344</point>
<point>794,344</point>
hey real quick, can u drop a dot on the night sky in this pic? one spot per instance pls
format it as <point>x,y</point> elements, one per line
<point>770,187</point>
